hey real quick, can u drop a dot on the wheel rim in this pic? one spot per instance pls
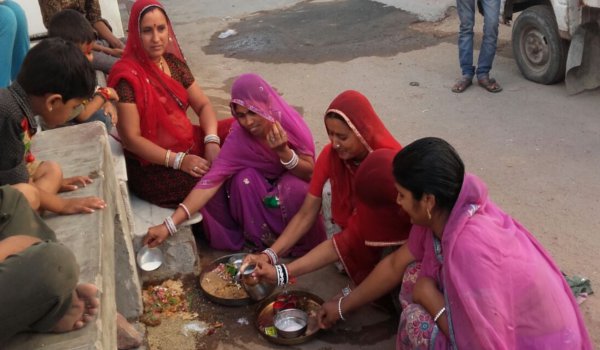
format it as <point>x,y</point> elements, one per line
<point>535,49</point>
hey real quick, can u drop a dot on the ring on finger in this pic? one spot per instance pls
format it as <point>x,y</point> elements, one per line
<point>195,169</point>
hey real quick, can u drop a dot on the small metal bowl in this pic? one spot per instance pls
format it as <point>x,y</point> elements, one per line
<point>290,323</point>
<point>149,259</point>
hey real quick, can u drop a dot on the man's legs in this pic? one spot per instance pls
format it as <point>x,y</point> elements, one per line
<point>491,20</point>
<point>466,14</point>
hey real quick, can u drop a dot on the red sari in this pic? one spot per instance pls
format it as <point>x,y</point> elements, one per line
<point>366,229</point>
<point>162,102</point>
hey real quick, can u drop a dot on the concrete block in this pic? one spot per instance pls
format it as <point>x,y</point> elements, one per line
<point>180,257</point>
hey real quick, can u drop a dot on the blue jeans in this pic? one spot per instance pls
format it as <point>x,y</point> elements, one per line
<point>466,14</point>
<point>14,40</point>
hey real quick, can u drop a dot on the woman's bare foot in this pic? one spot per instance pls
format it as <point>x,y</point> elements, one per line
<point>84,205</point>
<point>84,307</point>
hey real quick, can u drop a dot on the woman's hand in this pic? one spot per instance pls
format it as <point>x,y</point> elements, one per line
<point>73,183</point>
<point>254,259</point>
<point>277,138</point>
<point>111,111</point>
<point>265,271</point>
<point>328,314</point>
<point>156,235</point>
<point>194,165</point>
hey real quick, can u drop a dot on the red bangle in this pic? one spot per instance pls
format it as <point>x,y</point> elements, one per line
<point>104,92</point>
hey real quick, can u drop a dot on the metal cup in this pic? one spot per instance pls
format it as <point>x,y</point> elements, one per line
<point>256,289</point>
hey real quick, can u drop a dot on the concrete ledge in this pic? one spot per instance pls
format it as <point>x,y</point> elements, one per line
<point>91,237</point>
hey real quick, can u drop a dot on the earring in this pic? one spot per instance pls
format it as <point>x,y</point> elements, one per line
<point>428,214</point>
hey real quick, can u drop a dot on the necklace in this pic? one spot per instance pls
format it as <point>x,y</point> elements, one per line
<point>160,63</point>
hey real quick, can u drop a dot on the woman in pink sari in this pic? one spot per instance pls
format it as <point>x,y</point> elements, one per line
<point>260,178</point>
<point>482,281</point>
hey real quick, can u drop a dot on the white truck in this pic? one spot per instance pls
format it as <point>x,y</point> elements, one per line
<point>554,40</point>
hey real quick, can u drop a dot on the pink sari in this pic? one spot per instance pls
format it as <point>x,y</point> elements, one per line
<point>259,196</point>
<point>502,289</point>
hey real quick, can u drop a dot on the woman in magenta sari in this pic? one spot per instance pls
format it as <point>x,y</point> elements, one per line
<point>481,280</point>
<point>260,178</point>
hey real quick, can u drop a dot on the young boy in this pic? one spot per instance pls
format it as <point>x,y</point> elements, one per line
<point>54,78</point>
<point>44,294</point>
<point>72,26</point>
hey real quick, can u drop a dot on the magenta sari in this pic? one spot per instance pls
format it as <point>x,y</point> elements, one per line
<point>502,289</point>
<point>259,196</point>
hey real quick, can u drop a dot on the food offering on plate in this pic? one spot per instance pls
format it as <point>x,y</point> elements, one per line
<point>289,318</point>
<point>220,282</point>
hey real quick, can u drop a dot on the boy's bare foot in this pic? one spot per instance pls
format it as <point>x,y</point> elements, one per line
<point>75,182</point>
<point>82,205</point>
<point>84,307</point>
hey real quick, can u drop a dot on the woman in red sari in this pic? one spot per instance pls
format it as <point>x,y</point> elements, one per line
<point>361,148</point>
<point>165,153</point>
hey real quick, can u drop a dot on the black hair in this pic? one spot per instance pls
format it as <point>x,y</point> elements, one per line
<point>334,115</point>
<point>152,8</point>
<point>430,166</point>
<point>57,66</point>
<point>72,26</point>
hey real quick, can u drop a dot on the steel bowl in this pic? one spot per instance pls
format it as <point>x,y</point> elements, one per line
<point>149,259</point>
<point>290,323</point>
<point>256,289</point>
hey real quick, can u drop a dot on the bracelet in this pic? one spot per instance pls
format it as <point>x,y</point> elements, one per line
<point>270,253</point>
<point>439,313</point>
<point>282,274</point>
<point>170,225</point>
<point>187,211</point>
<point>104,92</point>
<point>292,163</point>
<point>167,158</point>
<point>212,138</point>
<point>340,308</point>
<point>346,291</point>
<point>178,160</point>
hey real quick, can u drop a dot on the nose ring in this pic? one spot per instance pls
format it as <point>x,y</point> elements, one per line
<point>337,146</point>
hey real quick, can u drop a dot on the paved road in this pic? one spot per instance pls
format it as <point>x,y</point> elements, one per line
<point>536,147</point>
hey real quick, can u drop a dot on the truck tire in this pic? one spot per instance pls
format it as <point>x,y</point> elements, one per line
<point>540,52</point>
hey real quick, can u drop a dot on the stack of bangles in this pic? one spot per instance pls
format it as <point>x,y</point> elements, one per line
<point>178,159</point>
<point>282,274</point>
<point>292,163</point>
<point>270,253</point>
<point>212,138</point>
<point>171,227</point>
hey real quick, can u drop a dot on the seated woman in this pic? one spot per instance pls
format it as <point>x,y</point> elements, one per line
<point>260,178</point>
<point>482,281</point>
<point>361,150</point>
<point>165,153</point>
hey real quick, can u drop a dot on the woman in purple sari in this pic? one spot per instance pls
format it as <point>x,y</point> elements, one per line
<point>260,178</point>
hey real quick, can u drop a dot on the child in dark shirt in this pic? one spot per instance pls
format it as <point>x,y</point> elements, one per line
<point>72,26</point>
<point>54,78</point>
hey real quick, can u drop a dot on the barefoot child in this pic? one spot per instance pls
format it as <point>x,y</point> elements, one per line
<point>54,79</point>
<point>44,294</point>
<point>72,26</point>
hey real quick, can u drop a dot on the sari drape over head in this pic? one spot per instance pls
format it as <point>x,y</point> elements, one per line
<point>357,112</point>
<point>502,289</point>
<point>254,176</point>
<point>161,100</point>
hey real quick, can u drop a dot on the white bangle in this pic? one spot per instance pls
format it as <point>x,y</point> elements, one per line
<point>340,309</point>
<point>439,313</point>
<point>178,160</point>
<point>167,158</point>
<point>292,163</point>
<point>212,138</point>
<point>187,211</point>
<point>270,253</point>
<point>171,227</point>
